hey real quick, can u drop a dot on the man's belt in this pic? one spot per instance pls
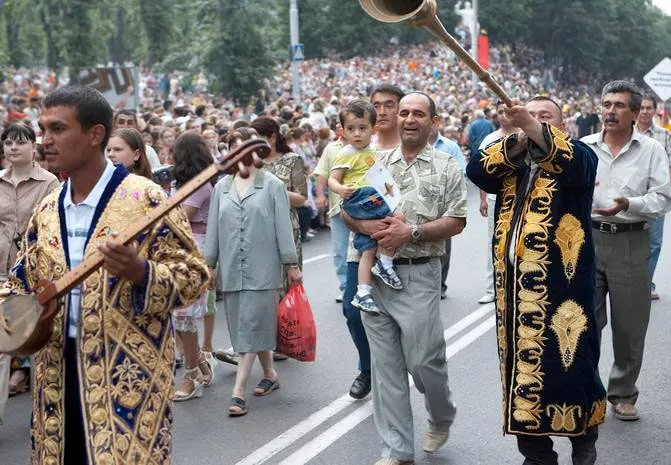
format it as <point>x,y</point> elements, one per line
<point>616,228</point>
<point>412,261</point>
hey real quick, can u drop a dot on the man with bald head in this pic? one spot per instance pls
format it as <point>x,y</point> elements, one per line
<point>407,336</point>
<point>544,268</point>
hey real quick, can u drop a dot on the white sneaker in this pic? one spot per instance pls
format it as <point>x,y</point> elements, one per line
<point>487,298</point>
<point>434,440</point>
<point>393,461</point>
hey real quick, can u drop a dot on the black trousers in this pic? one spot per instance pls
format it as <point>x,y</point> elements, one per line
<point>538,450</point>
<point>445,265</point>
<point>75,443</point>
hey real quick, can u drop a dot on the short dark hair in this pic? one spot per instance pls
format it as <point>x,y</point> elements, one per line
<point>89,105</point>
<point>200,110</point>
<point>650,97</point>
<point>18,131</point>
<point>361,109</point>
<point>621,86</point>
<point>543,98</point>
<point>125,112</point>
<point>432,104</point>
<point>388,89</point>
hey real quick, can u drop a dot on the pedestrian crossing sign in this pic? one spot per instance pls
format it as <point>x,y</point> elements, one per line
<point>297,52</point>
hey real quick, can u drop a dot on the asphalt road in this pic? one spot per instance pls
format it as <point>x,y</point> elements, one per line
<point>311,420</point>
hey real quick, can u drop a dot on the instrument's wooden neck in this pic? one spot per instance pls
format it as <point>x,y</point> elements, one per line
<point>247,154</point>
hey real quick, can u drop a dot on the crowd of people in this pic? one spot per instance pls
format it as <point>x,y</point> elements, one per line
<point>555,212</point>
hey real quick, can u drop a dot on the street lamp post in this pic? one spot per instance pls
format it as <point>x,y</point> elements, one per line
<point>295,64</point>
<point>475,33</point>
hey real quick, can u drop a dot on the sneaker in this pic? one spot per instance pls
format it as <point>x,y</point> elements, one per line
<point>339,298</point>
<point>485,299</point>
<point>654,296</point>
<point>394,461</point>
<point>389,277</point>
<point>434,440</point>
<point>626,412</point>
<point>366,304</point>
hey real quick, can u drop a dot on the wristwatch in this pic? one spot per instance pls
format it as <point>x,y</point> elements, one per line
<point>416,233</point>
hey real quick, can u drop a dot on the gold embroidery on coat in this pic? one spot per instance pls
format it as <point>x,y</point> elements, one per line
<point>563,417</point>
<point>597,414</point>
<point>531,305</point>
<point>492,156</point>
<point>570,238</point>
<point>568,324</point>
<point>501,232</point>
<point>560,145</point>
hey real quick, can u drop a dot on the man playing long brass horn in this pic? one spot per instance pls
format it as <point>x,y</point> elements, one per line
<point>544,274</point>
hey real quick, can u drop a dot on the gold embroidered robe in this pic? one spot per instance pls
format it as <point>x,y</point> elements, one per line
<point>546,327</point>
<point>125,346</point>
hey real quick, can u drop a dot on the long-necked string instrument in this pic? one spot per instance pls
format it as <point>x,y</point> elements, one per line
<point>422,13</point>
<point>26,321</point>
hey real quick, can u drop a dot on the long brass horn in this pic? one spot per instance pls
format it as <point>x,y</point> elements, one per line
<point>423,13</point>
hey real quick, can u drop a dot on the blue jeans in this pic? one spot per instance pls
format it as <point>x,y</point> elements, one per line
<point>365,204</point>
<point>339,241</point>
<point>656,235</point>
<point>353,316</point>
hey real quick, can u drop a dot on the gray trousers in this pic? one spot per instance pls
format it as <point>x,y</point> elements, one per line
<point>623,274</point>
<point>408,338</point>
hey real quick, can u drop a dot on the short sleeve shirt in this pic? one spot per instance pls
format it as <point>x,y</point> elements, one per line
<point>356,164</point>
<point>432,187</point>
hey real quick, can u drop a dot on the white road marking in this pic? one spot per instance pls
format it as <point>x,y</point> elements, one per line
<point>317,258</point>
<point>293,434</point>
<point>335,432</point>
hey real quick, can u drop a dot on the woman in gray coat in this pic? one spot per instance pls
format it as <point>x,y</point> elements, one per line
<point>249,236</point>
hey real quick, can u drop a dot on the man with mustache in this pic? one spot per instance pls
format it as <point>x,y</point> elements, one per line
<point>632,188</point>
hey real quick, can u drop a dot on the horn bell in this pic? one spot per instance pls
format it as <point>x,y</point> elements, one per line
<point>396,11</point>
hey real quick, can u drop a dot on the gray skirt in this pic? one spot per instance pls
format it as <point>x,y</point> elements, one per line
<point>252,319</point>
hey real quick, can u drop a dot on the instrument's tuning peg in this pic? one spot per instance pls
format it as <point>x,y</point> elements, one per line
<point>242,169</point>
<point>258,162</point>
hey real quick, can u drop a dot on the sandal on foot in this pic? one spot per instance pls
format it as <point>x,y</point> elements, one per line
<point>193,378</point>
<point>237,408</point>
<point>206,364</point>
<point>266,386</point>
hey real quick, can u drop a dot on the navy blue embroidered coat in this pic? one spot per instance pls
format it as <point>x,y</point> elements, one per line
<point>125,346</point>
<point>544,271</point>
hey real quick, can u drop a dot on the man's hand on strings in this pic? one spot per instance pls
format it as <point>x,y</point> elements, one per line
<point>122,260</point>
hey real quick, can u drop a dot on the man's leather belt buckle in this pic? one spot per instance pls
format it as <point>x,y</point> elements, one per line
<point>608,228</point>
<point>614,228</point>
<point>412,261</point>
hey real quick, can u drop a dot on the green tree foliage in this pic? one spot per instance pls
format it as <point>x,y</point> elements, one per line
<point>158,18</point>
<point>235,76</point>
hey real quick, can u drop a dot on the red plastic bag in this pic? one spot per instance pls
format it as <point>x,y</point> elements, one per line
<point>296,330</point>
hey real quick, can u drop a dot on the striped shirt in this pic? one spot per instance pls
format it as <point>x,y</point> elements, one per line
<point>17,203</point>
